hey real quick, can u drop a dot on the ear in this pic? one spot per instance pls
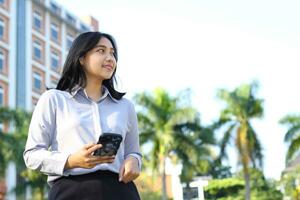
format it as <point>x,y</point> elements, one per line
<point>81,60</point>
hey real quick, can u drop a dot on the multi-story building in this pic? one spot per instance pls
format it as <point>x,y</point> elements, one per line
<point>35,36</point>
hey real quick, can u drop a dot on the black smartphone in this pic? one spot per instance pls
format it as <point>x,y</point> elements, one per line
<point>110,144</point>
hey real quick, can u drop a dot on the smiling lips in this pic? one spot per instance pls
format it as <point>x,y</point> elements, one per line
<point>109,67</point>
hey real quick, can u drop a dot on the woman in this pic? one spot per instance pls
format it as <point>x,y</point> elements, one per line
<point>67,122</point>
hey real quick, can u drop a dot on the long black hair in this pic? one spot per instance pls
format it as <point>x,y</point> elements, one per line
<point>73,73</point>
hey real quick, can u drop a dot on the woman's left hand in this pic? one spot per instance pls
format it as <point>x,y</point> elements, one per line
<point>129,170</point>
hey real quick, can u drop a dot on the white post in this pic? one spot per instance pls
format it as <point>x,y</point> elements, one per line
<point>11,180</point>
<point>175,171</point>
<point>201,192</point>
<point>176,187</point>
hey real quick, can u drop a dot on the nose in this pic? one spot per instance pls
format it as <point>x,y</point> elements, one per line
<point>109,57</point>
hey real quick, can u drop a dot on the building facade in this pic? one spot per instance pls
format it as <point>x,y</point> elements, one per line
<point>35,36</point>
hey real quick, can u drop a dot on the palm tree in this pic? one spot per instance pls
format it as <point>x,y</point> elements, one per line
<point>158,115</point>
<point>5,147</point>
<point>241,106</point>
<point>12,145</point>
<point>195,153</point>
<point>292,136</point>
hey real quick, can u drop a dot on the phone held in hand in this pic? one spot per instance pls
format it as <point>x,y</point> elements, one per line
<point>110,144</point>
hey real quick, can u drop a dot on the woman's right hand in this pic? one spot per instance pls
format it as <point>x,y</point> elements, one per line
<point>84,158</point>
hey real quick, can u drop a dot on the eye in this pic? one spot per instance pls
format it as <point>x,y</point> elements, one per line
<point>100,50</point>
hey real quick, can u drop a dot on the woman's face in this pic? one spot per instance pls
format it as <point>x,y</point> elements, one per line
<point>99,63</point>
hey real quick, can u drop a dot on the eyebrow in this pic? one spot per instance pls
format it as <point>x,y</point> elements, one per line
<point>103,46</point>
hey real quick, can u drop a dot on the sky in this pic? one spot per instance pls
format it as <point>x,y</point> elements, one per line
<point>205,46</point>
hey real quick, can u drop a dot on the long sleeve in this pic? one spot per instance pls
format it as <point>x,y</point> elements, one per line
<point>41,134</point>
<point>132,146</point>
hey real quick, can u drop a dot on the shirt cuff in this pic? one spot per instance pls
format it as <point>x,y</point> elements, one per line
<point>60,164</point>
<point>138,157</point>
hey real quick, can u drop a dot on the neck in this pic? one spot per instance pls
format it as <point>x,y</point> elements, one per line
<point>93,89</point>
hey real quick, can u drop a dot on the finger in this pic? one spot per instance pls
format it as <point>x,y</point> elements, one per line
<point>121,172</point>
<point>93,164</point>
<point>134,176</point>
<point>101,158</point>
<point>97,159</point>
<point>130,176</point>
<point>126,178</point>
<point>93,148</point>
<point>106,161</point>
<point>87,146</point>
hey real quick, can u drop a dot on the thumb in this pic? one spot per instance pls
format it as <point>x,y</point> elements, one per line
<point>121,172</point>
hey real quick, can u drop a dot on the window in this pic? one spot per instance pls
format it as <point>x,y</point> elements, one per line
<point>54,8</point>
<point>54,83</point>
<point>2,27</point>
<point>1,104</point>
<point>69,41</point>
<point>37,20</point>
<point>1,61</point>
<point>84,28</point>
<point>71,19</point>
<point>37,81</point>
<point>1,96</point>
<point>54,60</point>
<point>40,1</point>
<point>37,50</point>
<point>54,32</point>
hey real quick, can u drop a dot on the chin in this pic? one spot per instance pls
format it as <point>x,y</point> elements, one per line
<point>107,77</point>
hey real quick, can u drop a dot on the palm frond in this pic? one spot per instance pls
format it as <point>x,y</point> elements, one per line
<point>155,153</point>
<point>254,146</point>
<point>225,140</point>
<point>293,149</point>
<point>146,136</point>
<point>290,120</point>
<point>293,132</point>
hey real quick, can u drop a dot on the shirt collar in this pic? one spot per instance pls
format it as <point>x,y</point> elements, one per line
<point>105,92</point>
<point>74,91</point>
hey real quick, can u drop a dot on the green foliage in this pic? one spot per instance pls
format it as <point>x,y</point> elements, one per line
<point>12,145</point>
<point>292,136</point>
<point>220,184</point>
<point>261,188</point>
<point>220,188</point>
<point>171,128</point>
<point>219,171</point>
<point>150,195</point>
<point>290,184</point>
<point>242,105</point>
<point>233,188</point>
<point>196,155</point>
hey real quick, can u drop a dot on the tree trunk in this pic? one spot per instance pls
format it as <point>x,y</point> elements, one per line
<point>244,156</point>
<point>188,189</point>
<point>21,183</point>
<point>247,186</point>
<point>164,184</point>
<point>39,193</point>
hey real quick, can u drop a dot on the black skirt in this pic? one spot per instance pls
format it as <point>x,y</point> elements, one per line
<point>99,185</point>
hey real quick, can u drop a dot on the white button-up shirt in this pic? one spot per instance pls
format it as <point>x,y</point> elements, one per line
<point>64,122</point>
